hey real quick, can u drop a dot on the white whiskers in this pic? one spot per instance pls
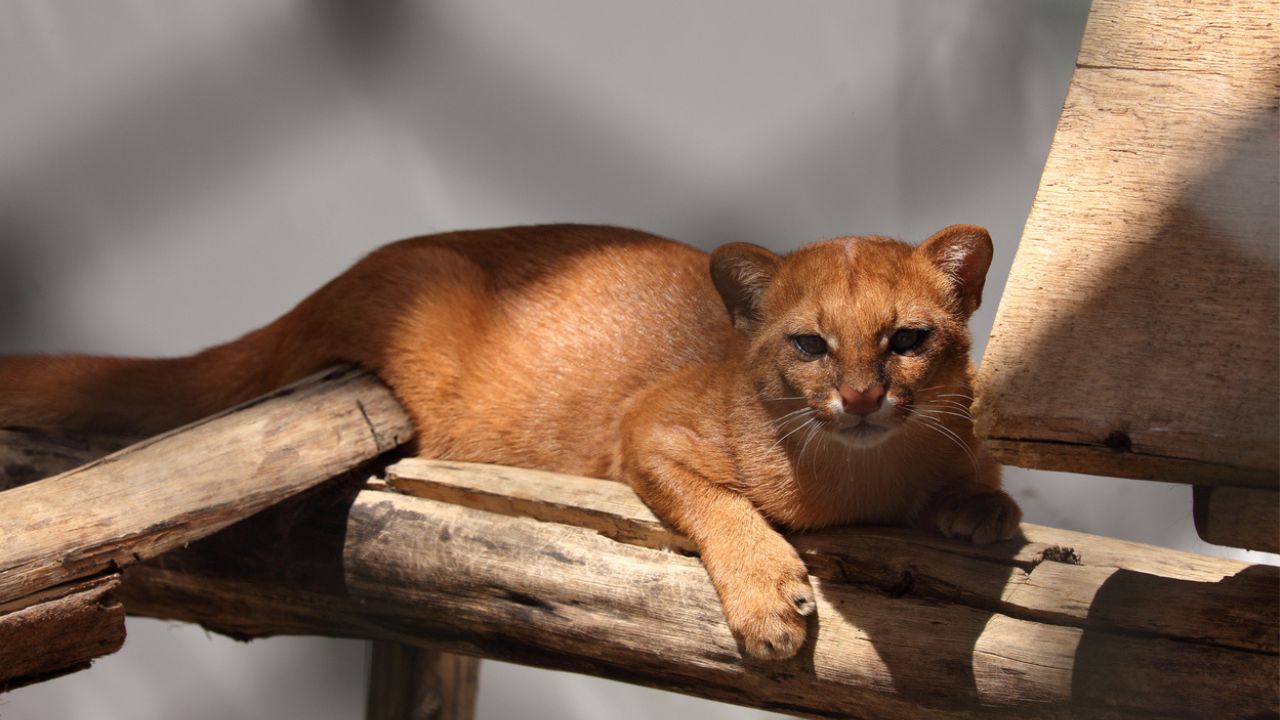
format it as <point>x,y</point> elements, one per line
<point>928,415</point>
<point>805,413</point>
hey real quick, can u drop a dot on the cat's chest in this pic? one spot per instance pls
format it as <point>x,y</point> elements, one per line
<point>840,488</point>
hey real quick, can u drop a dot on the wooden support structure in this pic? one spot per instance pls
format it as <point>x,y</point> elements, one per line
<point>514,565</point>
<point>67,537</point>
<point>576,574</point>
<point>1138,335</point>
<point>408,682</point>
<point>59,630</point>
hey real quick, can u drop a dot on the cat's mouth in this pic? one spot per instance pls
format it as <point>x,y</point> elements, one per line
<point>862,429</point>
<point>861,434</point>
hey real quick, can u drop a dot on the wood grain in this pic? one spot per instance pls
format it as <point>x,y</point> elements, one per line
<point>907,625</point>
<point>31,454</point>
<point>168,490</point>
<point>576,574</point>
<point>1209,597</point>
<point>1138,332</point>
<point>59,630</point>
<point>1239,517</point>
<point>407,682</point>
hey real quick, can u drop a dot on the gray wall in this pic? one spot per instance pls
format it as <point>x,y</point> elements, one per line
<point>175,173</point>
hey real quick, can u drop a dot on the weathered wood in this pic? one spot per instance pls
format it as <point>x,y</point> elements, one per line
<point>154,496</point>
<point>570,573</point>
<point>59,630</point>
<point>907,625</point>
<point>30,454</point>
<point>407,682</point>
<point>174,488</point>
<point>1207,597</point>
<point>1239,517</point>
<point>1138,331</point>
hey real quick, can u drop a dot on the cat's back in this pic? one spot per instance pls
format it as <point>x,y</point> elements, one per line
<point>522,345</point>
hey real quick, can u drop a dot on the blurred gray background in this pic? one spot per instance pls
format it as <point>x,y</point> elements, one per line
<point>173,174</point>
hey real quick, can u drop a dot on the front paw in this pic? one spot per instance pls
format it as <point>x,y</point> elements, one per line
<point>983,517</point>
<point>768,610</point>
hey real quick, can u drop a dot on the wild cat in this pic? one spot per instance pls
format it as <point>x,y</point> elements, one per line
<point>836,388</point>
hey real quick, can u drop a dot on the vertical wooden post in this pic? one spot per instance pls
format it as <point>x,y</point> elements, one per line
<point>407,682</point>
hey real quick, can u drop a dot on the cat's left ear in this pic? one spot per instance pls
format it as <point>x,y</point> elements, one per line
<point>741,272</point>
<point>963,253</point>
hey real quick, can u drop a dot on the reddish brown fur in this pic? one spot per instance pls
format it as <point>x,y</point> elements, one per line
<point>607,352</point>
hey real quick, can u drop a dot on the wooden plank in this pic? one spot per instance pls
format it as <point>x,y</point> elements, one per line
<point>558,595</point>
<point>1027,632</point>
<point>1185,35</point>
<point>1239,517</point>
<point>407,682</point>
<point>166,491</point>
<point>1221,601</point>
<point>1138,331</point>
<point>30,454</point>
<point>59,630</point>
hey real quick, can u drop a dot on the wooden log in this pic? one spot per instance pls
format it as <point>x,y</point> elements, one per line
<point>1138,330</point>
<point>59,630</point>
<point>168,490</point>
<point>1239,517</point>
<point>31,454</point>
<point>1216,598</point>
<point>159,494</point>
<point>407,682</point>
<point>907,625</point>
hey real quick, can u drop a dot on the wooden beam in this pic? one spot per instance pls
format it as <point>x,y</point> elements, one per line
<point>577,574</point>
<point>407,682</point>
<point>1138,330</point>
<point>31,454</point>
<point>59,630</point>
<point>162,493</point>
<point>1239,517</point>
<point>1060,592</point>
<point>168,490</point>
<point>1061,624</point>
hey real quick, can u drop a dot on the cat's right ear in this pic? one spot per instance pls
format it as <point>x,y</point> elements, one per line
<point>741,272</point>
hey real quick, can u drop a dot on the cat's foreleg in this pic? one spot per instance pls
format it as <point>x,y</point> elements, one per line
<point>763,585</point>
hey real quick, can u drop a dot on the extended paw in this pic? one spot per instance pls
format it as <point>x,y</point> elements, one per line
<point>769,611</point>
<point>982,517</point>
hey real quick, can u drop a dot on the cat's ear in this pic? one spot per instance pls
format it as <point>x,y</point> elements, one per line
<point>963,253</point>
<point>741,272</point>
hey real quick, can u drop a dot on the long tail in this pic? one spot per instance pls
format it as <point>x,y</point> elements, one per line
<point>135,396</point>
<point>351,319</point>
<point>144,396</point>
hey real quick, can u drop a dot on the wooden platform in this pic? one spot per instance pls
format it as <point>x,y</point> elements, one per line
<point>1138,335</point>
<point>576,574</point>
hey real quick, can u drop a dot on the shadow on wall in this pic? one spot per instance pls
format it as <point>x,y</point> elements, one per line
<point>21,262</point>
<point>174,134</point>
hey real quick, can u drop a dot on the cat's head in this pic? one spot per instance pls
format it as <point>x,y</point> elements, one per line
<point>859,336</point>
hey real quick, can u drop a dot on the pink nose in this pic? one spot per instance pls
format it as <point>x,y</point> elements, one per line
<point>862,402</point>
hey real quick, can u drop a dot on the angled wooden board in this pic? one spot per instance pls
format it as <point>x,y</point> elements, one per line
<point>1138,333</point>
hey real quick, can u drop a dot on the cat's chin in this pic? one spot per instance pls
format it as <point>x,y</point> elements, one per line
<point>862,436</point>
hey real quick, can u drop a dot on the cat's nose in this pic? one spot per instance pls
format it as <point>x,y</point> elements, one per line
<point>862,402</point>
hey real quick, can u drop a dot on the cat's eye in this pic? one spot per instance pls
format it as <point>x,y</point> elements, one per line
<point>907,339</point>
<point>811,346</point>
